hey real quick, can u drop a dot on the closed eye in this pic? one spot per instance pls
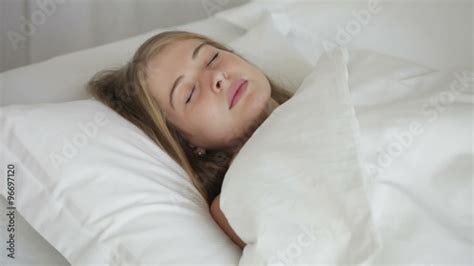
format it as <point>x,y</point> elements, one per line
<point>213,58</point>
<point>192,91</point>
<point>190,95</point>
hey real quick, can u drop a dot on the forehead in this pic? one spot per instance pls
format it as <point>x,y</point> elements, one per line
<point>167,65</point>
<point>171,57</point>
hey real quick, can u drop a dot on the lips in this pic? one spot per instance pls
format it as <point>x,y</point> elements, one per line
<point>234,88</point>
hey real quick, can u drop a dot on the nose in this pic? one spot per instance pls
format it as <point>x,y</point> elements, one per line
<point>219,81</point>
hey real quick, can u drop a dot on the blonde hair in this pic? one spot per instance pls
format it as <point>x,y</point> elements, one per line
<point>125,90</point>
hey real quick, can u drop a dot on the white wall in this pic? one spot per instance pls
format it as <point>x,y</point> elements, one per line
<point>35,30</point>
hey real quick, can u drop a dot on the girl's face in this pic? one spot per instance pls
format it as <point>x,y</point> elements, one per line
<point>195,85</point>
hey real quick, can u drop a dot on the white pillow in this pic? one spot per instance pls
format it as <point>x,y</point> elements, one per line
<point>100,191</point>
<point>427,32</point>
<point>62,78</point>
<point>86,173</point>
<point>295,191</point>
<point>247,16</point>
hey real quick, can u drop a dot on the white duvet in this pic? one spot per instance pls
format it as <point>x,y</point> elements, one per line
<point>416,141</point>
<point>369,163</point>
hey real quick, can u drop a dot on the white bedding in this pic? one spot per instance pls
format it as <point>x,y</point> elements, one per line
<point>295,192</point>
<point>416,140</point>
<point>62,79</point>
<point>438,34</point>
<point>420,196</point>
<point>416,148</point>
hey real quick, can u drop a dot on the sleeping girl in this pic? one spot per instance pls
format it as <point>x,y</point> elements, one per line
<point>197,99</point>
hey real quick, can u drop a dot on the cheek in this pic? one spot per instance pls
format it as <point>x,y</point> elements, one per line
<point>211,126</point>
<point>264,84</point>
<point>208,116</point>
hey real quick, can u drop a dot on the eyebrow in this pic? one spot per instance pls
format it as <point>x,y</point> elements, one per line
<point>178,80</point>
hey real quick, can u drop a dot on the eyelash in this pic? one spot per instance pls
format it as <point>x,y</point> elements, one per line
<point>192,90</point>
